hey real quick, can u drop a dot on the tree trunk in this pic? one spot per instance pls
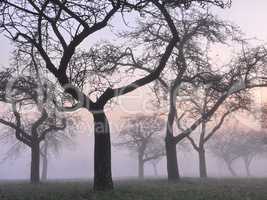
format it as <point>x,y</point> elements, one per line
<point>35,163</point>
<point>170,145</point>
<point>201,148</point>
<point>231,170</point>
<point>202,163</point>
<point>247,164</point>
<point>45,161</point>
<point>172,164</point>
<point>155,169</point>
<point>102,154</point>
<point>140,167</point>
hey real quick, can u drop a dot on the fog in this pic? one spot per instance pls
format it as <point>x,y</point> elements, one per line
<point>76,161</point>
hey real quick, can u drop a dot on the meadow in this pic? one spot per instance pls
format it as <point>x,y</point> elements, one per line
<point>151,189</point>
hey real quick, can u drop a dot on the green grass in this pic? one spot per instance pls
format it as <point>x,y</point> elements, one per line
<point>187,189</point>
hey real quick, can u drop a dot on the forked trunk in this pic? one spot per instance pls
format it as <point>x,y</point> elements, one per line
<point>102,154</point>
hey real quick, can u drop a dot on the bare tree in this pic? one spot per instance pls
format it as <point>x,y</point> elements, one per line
<point>141,135</point>
<point>237,144</point>
<point>199,99</point>
<point>54,142</point>
<point>187,63</point>
<point>29,133</point>
<point>191,66</point>
<point>221,146</point>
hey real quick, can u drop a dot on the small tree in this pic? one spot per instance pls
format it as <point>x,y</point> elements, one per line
<point>54,142</point>
<point>141,135</point>
<point>235,144</point>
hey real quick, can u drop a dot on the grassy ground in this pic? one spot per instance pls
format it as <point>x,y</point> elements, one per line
<point>187,189</point>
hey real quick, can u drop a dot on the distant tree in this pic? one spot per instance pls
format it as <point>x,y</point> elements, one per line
<point>54,142</point>
<point>237,144</point>
<point>155,154</point>
<point>250,146</point>
<point>141,135</point>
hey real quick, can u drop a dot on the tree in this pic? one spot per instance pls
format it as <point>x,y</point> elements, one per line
<point>199,99</point>
<point>188,62</point>
<point>23,94</point>
<point>190,65</point>
<point>66,25</point>
<point>238,143</point>
<point>54,142</point>
<point>41,89</point>
<point>141,135</point>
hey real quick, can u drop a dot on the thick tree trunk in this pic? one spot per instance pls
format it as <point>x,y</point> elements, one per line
<point>35,163</point>
<point>45,161</point>
<point>231,170</point>
<point>140,167</point>
<point>202,163</point>
<point>102,154</point>
<point>170,145</point>
<point>172,164</point>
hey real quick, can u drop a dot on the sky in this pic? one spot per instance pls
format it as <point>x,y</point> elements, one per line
<point>77,162</point>
<point>249,15</point>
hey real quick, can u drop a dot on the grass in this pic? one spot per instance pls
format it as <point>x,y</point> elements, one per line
<point>187,189</point>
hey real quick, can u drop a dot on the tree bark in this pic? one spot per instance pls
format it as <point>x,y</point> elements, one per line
<point>202,163</point>
<point>35,163</point>
<point>172,164</point>
<point>45,161</point>
<point>102,153</point>
<point>201,147</point>
<point>140,166</point>
<point>170,145</point>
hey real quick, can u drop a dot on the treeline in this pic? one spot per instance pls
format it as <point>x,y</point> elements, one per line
<point>168,45</point>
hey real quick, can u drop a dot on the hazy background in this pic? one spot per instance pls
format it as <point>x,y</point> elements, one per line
<point>77,161</point>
